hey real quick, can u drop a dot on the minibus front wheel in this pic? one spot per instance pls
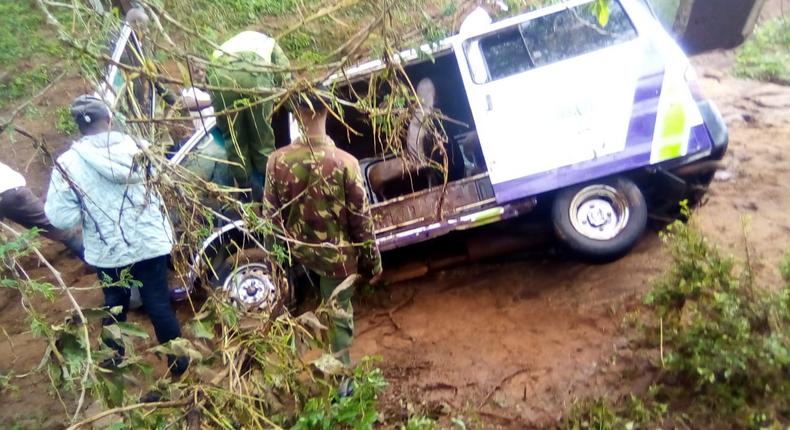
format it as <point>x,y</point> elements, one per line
<point>246,277</point>
<point>600,220</point>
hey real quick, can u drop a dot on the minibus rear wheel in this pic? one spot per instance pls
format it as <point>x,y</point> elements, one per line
<point>600,220</point>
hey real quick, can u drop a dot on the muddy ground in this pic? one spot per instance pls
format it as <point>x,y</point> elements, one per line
<point>509,342</point>
<point>516,342</point>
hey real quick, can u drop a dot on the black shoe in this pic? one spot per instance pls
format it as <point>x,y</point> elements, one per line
<point>111,363</point>
<point>152,396</point>
<point>177,366</point>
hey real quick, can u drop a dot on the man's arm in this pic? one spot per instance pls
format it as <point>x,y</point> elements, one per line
<point>360,223</point>
<point>195,99</point>
<point>62,206</point>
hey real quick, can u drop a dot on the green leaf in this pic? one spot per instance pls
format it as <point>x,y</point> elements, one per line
<point>329,365</point>
<point>201,330</point>
<point>116,310</point>
<point>179,347</point>
<point>132,329</point>
<point>111,331</point>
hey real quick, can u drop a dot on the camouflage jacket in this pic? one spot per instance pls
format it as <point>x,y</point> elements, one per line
<point>315,197</point>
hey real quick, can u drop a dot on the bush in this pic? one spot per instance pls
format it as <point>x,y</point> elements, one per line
<point>766,56</point>
<point>357,411</point>
<point>723,344</point>
<point>725,339</point>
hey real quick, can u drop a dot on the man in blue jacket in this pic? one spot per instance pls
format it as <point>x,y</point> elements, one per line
<point>100,184</point>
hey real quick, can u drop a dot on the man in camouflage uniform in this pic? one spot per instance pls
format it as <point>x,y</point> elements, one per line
<point>314,195</point>
<point>246,62</point>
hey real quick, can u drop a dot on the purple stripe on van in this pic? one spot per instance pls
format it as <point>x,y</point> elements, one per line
<point>700,139</point>
<point>649,87</point>
<point>644,110</point>
<point>631,158</point>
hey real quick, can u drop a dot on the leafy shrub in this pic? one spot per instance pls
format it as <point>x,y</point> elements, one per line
<point>724,347</point>
<point>65,124</point>
<point>766,56</point>
<point>357,411</point>
<point>725,339</point>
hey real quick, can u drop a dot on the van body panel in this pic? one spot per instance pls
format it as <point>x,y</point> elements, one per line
<point>623,105</point>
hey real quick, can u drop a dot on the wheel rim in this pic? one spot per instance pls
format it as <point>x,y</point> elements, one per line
<point>251,286</point>
<point>599,212</point>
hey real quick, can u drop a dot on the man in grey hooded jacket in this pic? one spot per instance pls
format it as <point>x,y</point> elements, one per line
<point>99,183</point>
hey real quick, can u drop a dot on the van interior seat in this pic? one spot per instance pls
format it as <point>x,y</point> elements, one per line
<point>413,166</point>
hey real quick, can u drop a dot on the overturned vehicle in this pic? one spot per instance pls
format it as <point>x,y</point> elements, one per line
<point>602,121</point>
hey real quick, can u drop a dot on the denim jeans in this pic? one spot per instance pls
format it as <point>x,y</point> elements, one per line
<point>152,275</point>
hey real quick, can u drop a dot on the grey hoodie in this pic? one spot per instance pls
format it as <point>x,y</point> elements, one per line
<point>123,220</point>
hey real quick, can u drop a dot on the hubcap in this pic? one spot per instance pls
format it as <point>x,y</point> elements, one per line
<point>251,286</point>
<point>599,212</point>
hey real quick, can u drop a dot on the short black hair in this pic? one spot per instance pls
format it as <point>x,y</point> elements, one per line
<point>313,99</point>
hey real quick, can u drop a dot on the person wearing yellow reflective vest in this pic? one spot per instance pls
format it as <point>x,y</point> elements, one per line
<point>249,61</point>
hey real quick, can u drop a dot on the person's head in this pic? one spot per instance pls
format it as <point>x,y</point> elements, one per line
<point>197,70</point>
<point>138,20</point>
<point>91,115</point>
<point>310,105</point>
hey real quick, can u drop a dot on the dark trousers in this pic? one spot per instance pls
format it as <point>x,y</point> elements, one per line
<point>21,206</point>
<point>152,276</point>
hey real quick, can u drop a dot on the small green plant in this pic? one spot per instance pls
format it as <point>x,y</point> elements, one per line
<point>65,124</point>
<point>357,411</point>
<point>784,268</point>
<point>766,56</point>
<point>419,423</point>
<point>602,414</point>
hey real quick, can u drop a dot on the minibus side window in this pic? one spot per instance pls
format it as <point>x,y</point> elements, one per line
<point>575,31</point>
<point>505,54</point>
<point>545,40</point>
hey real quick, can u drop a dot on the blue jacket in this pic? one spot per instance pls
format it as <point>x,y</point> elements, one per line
<point>123,220</point>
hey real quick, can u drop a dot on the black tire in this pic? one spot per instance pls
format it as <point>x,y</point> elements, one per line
<point>616,217</point>
<point>253,261</point>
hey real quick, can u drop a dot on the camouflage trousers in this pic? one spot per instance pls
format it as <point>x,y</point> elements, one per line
<point>341,322</point>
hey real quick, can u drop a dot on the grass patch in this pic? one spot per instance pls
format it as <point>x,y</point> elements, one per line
<point>66,124</point>
<point>766,56</point>
<point>29,51</point>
